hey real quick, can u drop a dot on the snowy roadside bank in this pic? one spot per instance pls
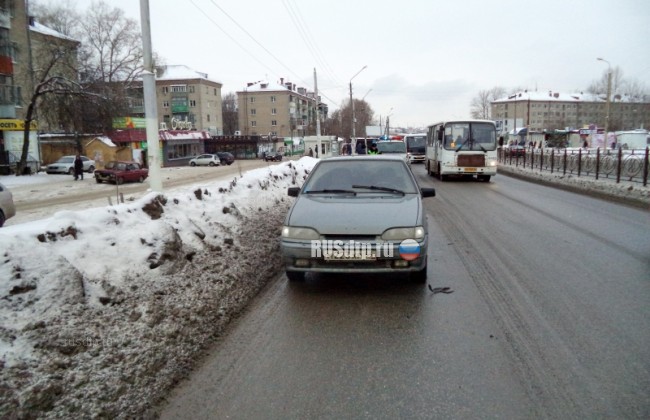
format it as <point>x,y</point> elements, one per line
<point>104,310</point>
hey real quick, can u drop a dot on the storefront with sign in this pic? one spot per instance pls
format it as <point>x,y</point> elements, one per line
<point>12,134</point>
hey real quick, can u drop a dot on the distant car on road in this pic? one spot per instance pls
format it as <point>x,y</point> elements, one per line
<point>205,160</point>
<point>273,157</point>
<point>7,207</point>
<point>118,172</point>
<point>65,165</point>
<point>226,158</point>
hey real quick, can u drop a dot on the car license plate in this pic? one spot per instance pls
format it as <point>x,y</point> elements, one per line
<point>470,169</point>
<point>351,256</point>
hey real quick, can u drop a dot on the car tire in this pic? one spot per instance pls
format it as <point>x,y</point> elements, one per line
<point>71,171</point>
<point>91,169</point>
<point>141,179</point>
<point>119,181</point>
<point>192,163</point>
<point>99,181</point>
<point>295,276</point>
<point>2,218</point>
<point>211,164</point>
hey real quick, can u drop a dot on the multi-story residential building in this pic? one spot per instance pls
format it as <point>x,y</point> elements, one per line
<point>278,109</point>
<point>27,45</point>
<point>550,111</point>
<point>187,99</point>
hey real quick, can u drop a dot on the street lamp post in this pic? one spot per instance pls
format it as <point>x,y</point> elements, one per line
<point>354,120</point>
<point>609,94</point>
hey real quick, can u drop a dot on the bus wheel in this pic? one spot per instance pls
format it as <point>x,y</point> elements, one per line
<point>440,175</point>
<point>484,178</point>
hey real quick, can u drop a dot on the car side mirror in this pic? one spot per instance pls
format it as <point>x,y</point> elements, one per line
<point>428,192</point>
<point>293,191</point>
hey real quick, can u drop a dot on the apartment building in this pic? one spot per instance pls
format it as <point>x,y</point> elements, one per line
<point>187,99</point>
<point>26,45</point>
<point>277,109</point>
<point>539,111</point>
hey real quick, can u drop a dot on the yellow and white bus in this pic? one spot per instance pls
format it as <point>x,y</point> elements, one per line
<point>462,148</point>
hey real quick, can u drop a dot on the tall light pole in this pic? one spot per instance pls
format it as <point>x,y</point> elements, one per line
<point>354,120</point>
<point>609,94</point>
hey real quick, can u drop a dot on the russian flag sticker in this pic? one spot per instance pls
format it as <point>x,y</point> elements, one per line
<point>409,249</point>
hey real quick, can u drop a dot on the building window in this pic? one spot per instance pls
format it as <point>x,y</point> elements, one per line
<point>165,89</point>
<point>215,91</point>
<point>192,103</point>
<point>191,88</point>
<point>253,123</point>
<point>252,99</point>
<point>208,115</point>
<point>273,99</point>
<point>253,111</point>
<point>179,88</point>
<point>165,104</point>
<point>273,111</point>
<point>274,123</point>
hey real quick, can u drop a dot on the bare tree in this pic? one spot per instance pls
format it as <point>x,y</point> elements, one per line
<point>339,122</point>
<point>62,16</point>
<point>53,63</point>
<point>480,106</point>
<point>229,113</point>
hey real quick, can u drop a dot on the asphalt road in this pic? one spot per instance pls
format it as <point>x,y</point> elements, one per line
<point>548,319</point>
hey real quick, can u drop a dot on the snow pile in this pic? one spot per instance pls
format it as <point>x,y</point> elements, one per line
<point>104,310</point>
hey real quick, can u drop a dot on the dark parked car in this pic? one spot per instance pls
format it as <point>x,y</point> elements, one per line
<point>273,157</point>
<point>226,158</point>
<point>118,172</point>
<point>516,150</point>
<point>357,214</point>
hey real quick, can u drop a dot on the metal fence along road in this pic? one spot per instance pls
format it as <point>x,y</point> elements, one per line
<point>614,165</point>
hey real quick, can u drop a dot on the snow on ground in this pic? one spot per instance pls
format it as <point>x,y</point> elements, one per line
<point>104,310</point>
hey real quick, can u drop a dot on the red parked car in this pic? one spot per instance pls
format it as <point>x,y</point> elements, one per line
<point>118,172</point>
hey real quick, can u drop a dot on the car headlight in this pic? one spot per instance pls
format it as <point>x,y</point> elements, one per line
<point>399,234</point>
<point>291,232</point>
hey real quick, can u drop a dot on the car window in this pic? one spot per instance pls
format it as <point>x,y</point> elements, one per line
<point>66,160</point>
<point>342,175</point>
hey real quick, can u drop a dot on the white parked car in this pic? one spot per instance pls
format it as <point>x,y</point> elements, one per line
<point>206,160</point>
<point>65,165</point>
<point>7,207</point>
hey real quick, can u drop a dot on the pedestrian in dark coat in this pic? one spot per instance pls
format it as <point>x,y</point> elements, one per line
<point>78,168</point>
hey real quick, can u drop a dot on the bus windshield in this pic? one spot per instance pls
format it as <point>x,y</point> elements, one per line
<point>470,136</point>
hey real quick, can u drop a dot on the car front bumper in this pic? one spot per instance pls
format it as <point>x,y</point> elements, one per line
<point>383,258</point>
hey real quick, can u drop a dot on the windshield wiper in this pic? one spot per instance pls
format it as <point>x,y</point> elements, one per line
<point>471,145</point>
<point>331,192</point>
<point>374,187</point>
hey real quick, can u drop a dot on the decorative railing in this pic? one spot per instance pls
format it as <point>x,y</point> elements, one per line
<point>618,165</point>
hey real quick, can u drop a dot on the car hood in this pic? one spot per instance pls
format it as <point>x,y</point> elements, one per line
<point>360,215</point>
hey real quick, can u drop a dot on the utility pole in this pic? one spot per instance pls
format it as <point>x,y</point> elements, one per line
<point>150,103</point>
<point>318,143</point>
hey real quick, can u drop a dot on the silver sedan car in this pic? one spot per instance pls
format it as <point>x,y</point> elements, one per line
<point>65,165</point>
<point>205,160</point>
<point>7,207</point>
<point>360,214</point>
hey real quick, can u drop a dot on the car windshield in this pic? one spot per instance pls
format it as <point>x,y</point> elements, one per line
<point>110,165</point>
<point>361,176</point>
<point>391,147</point>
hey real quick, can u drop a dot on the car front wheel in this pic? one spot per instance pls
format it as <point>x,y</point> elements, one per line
<point>71,171</point>
<point>192,163</point>
<point>91,169</point>
<point>119,181</point>
<point>420,276</point>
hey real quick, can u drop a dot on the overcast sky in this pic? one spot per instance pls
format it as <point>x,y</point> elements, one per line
<point>426,59</point>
